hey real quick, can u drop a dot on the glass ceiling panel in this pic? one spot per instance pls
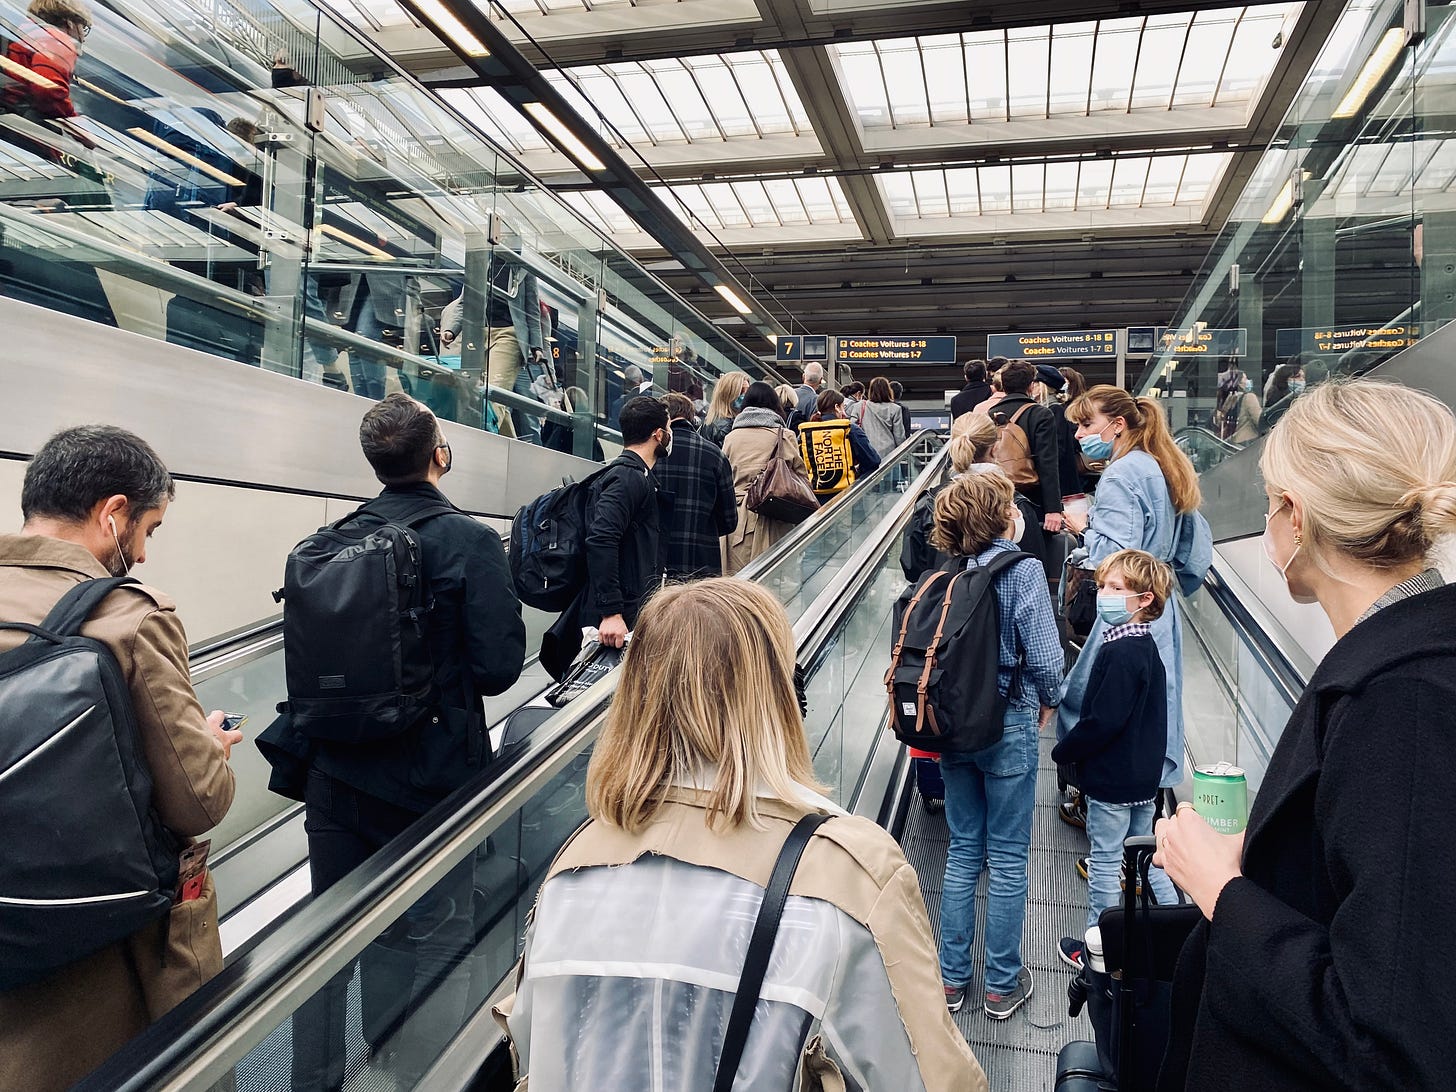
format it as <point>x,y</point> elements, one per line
<point>1127,182</point>
<point>498,119</point>
<point>1186,59</point>
<point>688,100</point>
<point>767,204</point>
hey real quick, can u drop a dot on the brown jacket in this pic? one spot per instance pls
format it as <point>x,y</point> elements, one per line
<point>55,1031</point>
<point>850,863</point>
<point>749,450</point>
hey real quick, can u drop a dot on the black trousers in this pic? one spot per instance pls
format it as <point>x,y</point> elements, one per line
<point>412,985</point>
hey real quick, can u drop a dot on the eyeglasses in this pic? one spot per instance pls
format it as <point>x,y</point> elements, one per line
<point>83,30</point>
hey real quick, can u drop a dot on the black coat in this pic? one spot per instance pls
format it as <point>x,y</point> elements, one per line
<point>1041,438</point>
<point>1068,472</point>
<point>478,643</point>
<point>1115,751</point>
<point>699,482</point>
<point>1326,964</point>
<point>969,397</point>
<point>623,561</point>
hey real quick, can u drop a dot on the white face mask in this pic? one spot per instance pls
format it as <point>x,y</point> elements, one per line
<point>122,562</point>
<point>1269,550</point>
<point>1018,527</point>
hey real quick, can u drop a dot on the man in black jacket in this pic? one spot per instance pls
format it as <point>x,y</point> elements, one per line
<point>1041,438</point>
<point>623,561</point>
<point>808,394</point>
<point>697,478</point>
<point>359,796</point>
<point>976,390</point>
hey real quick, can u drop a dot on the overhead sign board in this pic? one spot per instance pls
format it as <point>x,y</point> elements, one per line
<point>802,347</point>
<point>930,349</point>
<point>1052,345</point>
<point>1340,339</point>
<point>1233,341</point>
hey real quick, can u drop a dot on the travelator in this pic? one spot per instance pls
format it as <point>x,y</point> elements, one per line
<point>838,577</point>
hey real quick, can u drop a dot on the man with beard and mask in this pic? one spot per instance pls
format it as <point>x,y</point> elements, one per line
<point>623,558</point>
<point>92,497</point>
<point>360,795</point>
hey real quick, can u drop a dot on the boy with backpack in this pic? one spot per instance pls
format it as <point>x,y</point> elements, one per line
<point>976,669</point>
<point>1115,751</point>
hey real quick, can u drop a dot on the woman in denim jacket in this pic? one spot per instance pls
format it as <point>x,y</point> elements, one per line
<point>1147,500</point>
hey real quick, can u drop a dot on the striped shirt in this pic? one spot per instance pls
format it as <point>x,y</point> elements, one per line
<point>1029,637</point>
<point>1424,581</point>
<point>1127,629</point>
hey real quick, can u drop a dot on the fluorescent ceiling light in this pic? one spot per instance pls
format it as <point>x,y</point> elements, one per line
<point>356,242</point>
<point>1283,201</point>
<point>20,72</point>
<point>447,25</point>
<point>733,300</point>
<point>568,141</point>
<point>1381,58</point>
<point>178,154</point>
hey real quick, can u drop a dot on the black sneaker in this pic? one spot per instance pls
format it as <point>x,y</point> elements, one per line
<point>1073,813</point>
<point>1070,951</point>
<point>1000,1006</point>
<point>933,805</point>
<point>1083,865</point>
<point>955,997</point>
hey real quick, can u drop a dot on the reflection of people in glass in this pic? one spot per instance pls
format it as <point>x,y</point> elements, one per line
<point>513,322</point>
<point>48,46</point>
<point>379,311</point>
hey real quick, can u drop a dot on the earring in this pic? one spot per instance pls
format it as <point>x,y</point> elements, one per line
<point>1298,539</point>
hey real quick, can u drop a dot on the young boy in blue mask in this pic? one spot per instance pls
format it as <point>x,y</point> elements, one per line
<point>1115,752</point>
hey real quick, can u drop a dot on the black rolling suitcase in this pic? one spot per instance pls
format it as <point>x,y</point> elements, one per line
<point>1129,1002</point>
<point>593,664</point>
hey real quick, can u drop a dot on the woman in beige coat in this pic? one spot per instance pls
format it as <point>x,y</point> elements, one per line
<point>758,434</point>
<point>637,941</point>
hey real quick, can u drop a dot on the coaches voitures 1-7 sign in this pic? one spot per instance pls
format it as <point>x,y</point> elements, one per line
<point>1052,344</point>
<point>930,349</point>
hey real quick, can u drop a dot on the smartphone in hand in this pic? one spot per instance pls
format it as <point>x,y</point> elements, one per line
<point>231,722</point>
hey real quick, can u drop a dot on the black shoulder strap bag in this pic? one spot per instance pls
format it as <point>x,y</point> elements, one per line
<point>760,948</point>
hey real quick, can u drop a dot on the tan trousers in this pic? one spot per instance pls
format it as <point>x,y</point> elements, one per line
<point>502,364</point>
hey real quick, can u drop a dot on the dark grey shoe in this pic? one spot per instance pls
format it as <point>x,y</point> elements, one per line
<point>999,1006</point>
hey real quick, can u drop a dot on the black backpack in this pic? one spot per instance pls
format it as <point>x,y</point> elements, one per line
<point>548,546</point>
<point>942,676</point>
<point>87,861</point>
<point>355,653</point>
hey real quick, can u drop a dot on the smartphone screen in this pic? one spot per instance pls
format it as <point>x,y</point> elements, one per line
<point>231,722</point>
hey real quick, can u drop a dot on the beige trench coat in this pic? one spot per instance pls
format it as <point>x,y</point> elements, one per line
<point>748,451</point>
<point>851,863</point>
<point>55,1031</point>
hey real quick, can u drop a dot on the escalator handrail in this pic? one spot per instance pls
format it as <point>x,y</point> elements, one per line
<point>1281,672</point>
<point>1203,433</point>
<point>199,1041</point>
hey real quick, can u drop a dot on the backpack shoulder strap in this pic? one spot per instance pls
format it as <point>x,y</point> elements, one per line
<point>430,512</point>
<point>760,948</point>
<point>1004,560</point>
<point>71,611</point>
<point>1017,415</point>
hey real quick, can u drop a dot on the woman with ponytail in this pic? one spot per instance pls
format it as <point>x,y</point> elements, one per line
<point>1147,500</point>
<point>1321,960</point>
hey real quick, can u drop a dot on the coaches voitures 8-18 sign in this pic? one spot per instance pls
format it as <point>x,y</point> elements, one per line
<point>1052,345</point>
<point>930,349</point>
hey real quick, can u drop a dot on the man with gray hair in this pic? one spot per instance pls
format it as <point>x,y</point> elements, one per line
<point>808,392</point>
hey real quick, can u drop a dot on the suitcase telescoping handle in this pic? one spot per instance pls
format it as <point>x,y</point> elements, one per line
<point>1137,856</point>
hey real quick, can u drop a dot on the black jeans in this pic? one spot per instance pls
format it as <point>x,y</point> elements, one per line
<point>412,990</point>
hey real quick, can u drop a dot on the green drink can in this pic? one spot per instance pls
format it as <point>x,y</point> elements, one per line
<point>1221,796</point>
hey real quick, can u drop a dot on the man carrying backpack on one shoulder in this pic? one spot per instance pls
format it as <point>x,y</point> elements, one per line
<point>91,499</point>
<point>415,732</point>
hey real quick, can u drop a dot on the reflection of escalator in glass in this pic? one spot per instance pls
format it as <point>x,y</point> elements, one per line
<point>1205,448</point>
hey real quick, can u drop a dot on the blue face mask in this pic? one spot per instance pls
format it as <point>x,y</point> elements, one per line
<point>738,403</point>
<point>1296,386</point>
<point>1095,447</point>
<point>1112,608</point>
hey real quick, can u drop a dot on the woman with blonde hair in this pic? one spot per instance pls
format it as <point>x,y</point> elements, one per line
<point>639,934</point>
<point>1321,961</point>
<point>1147,499</point>
<point>788,397</point>
<point>726,402</point>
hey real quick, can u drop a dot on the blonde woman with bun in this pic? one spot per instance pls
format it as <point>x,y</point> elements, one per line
<point>1322,962</point>
<point>639,934</point>
<point>1147,499</point>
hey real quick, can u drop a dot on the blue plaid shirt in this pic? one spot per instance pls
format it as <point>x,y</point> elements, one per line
<point>1028,631</point>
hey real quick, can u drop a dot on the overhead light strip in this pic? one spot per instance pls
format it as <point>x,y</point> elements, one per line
<point>148,137</point>
<point>20,72</point>
<point>357,243</point>
<point>447,25</point>
<point>733,300</point>
<point>1385,54</point>
<point>565,139</point>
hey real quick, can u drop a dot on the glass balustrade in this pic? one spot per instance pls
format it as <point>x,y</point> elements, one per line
<point>248,178</point>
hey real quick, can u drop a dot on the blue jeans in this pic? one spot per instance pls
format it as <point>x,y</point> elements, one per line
<point>366,373</point>
<point>1108,825</point>
<point>989,799</point>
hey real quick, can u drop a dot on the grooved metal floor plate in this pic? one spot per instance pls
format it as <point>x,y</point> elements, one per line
<point>1019,1054</point>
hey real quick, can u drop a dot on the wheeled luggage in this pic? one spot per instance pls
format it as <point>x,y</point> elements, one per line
<point>1128,1002</point>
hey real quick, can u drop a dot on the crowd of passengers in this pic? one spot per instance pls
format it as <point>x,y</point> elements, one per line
<point>1317,962</point>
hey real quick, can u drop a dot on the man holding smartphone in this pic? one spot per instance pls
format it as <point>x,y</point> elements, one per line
<point>92,498</point>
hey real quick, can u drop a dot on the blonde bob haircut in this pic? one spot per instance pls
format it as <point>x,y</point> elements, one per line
<point>1141,573</point>
<point>1374,463</point>
<point>1147,430</point>
<point>972,436</point>
<point>971,513</point>
<point>707,691</point>
<point>725,392</point>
